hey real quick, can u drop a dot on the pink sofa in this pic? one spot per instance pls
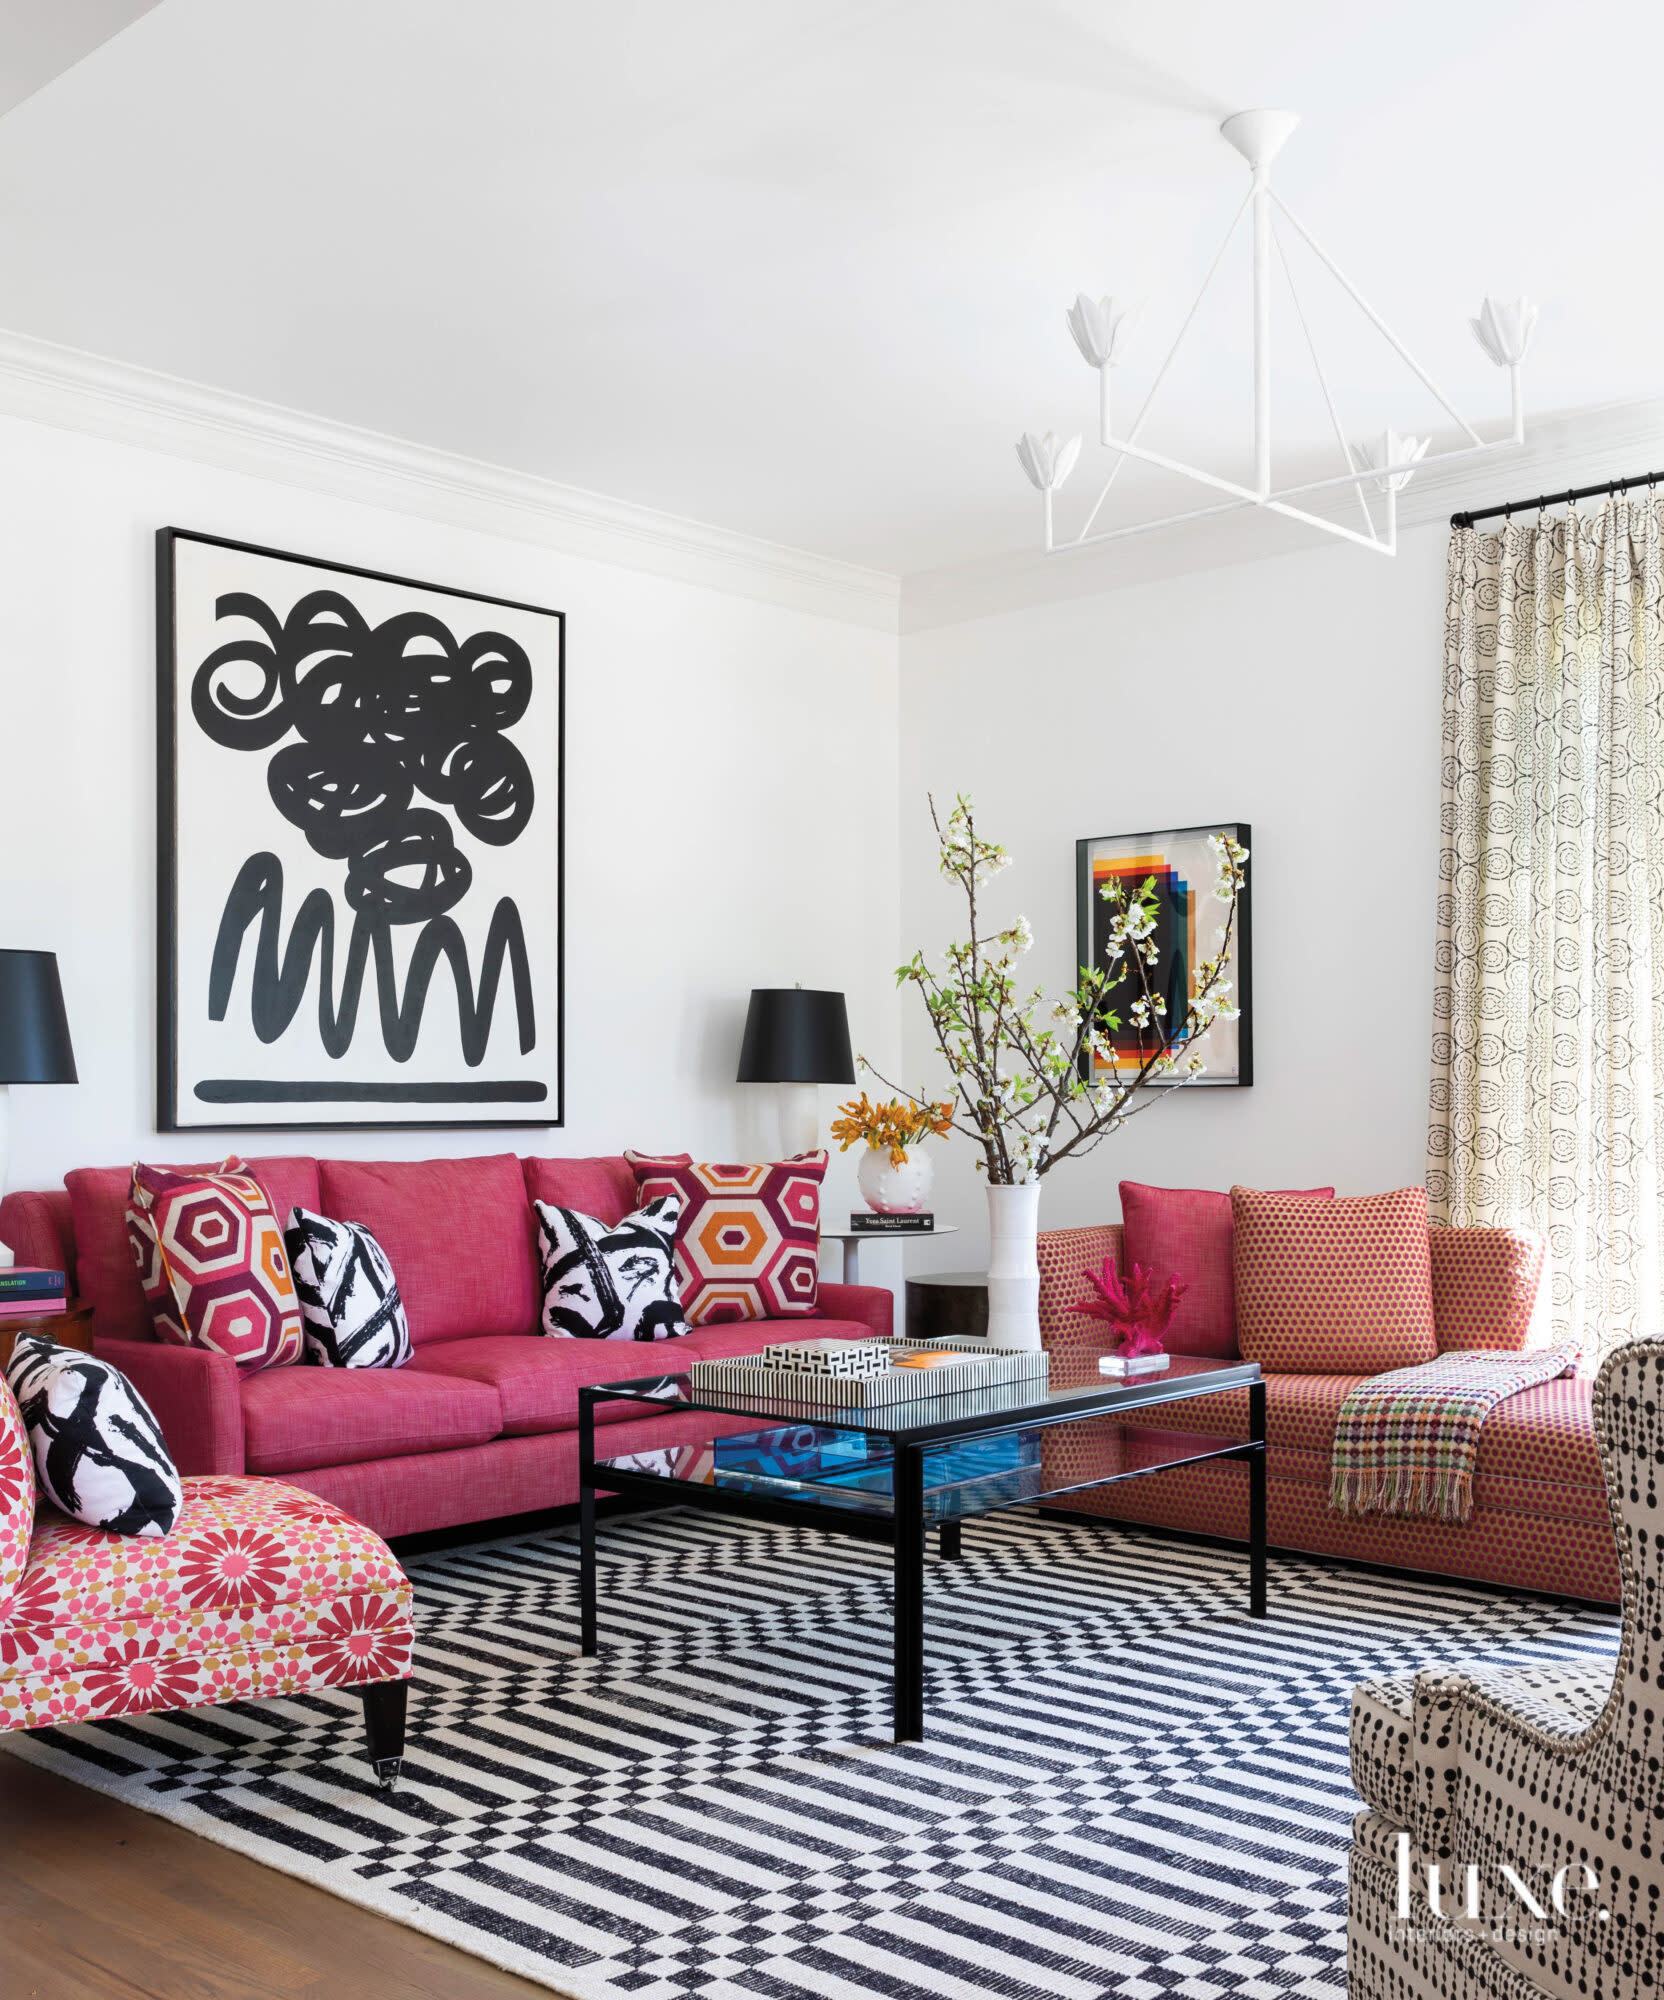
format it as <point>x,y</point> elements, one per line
<point>482,1422</point>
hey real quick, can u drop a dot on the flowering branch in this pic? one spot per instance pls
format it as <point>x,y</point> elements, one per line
<point>1025,1076</point>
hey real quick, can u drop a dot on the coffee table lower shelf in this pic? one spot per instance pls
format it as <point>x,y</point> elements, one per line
<point>901,1517</point>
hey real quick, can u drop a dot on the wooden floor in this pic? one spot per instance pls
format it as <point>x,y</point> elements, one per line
<point>99,1902</point>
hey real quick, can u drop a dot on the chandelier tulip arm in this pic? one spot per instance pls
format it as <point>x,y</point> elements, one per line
<point>1105,434</point>
<point>1100,328</point>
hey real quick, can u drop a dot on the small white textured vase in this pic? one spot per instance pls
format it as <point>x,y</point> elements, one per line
<point>902,1190</point>
<point>1014,1266</point>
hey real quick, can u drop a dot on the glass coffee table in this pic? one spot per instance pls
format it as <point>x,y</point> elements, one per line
<point>889,1475</point>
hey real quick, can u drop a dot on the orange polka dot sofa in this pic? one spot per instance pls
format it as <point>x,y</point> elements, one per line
<point>482,1422</point>
<point>258,1590</point>
<point>1540,1519</point>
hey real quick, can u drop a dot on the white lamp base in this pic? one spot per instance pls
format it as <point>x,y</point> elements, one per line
<point>799,1117</point>
<point>6,1257</point>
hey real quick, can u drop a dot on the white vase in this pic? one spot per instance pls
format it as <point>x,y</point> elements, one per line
<point>1014,1266</point>
<point>891,1190</point>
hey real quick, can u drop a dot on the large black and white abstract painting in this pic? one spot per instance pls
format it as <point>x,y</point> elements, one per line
<point>360,816</point>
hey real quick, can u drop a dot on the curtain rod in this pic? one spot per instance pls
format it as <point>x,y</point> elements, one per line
<point>1609,487</point>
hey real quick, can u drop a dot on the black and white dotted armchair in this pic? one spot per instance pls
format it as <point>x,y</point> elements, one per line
<point>1537,1793</point>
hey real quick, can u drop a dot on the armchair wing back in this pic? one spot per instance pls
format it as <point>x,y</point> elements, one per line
<point>1553,1771</point>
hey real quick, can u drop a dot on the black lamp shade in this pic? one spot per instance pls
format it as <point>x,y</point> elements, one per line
<point>34,1034</point>
<point>795,1036</point>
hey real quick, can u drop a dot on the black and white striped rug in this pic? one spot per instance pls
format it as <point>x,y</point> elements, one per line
<point>1128,1787</point>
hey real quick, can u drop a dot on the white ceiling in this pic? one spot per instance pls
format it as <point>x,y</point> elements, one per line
<point>797,267</point>
<point>41,38</point>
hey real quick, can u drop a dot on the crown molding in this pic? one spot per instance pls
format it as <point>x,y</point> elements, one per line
<point>42,382</point>
<point>1569,448</point>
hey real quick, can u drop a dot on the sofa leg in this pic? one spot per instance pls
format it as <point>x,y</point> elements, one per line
<point>384,1709</point>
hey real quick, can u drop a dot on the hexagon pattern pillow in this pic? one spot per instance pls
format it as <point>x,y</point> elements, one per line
<point>748,1244</point>
<point>212,1263</point>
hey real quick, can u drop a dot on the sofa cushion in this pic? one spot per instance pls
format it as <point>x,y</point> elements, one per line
<point>748,1244</point>
<point>1333,1287</point>
<point>458,1234</point>
<point>537,1381</point>
<point>294,1418</point>
<point>1486,1284</point>
<point>1186,1233</point>
<point>604,1187</point>
<point>260,1590</point>
<point>1300,1412</point>
<point>105,1272</point>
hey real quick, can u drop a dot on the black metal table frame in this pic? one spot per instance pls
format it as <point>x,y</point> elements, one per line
<point>904,1528</point>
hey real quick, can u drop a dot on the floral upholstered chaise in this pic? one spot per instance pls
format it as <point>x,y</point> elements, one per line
<point>259,1590</point>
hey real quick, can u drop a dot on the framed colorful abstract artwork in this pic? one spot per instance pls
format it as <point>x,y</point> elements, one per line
<point>359,783</point>
<point>1190,923</point>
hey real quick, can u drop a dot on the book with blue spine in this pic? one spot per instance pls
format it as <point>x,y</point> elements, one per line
<point>29,1281</point>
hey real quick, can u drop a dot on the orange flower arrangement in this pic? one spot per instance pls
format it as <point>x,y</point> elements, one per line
<point>897,1125</point>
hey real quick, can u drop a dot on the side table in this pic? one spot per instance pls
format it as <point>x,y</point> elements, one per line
<point>943,1303</point>
<point>852,1239</point>
<point>70,1328</point>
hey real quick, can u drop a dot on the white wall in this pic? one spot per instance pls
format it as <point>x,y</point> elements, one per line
<point>731,806</point>
<point>1300,694</point>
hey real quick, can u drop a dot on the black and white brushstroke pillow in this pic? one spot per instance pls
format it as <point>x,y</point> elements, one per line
<point>610,1281</point>
<point>99,1454</point>
<point>350,1308</point>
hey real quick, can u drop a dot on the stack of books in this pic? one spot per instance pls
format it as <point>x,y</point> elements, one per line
<point>27,1291</point>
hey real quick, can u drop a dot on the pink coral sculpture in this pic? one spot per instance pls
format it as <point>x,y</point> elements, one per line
<point>1131,1308</point>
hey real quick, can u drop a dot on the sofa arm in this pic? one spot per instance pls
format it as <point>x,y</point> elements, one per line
<point>36,1228</point>
<point>870,1304</point>
<point>1488,1288</point>
<point>193,1392</point>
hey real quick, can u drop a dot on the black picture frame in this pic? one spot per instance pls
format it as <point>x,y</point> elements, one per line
<point>494,1109</point>
<point>1242,940</point>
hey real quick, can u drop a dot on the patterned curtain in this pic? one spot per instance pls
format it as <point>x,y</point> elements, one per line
<point>1548,1023</point>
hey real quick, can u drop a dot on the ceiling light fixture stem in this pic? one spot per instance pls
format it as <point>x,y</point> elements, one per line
<point>1262,333</point>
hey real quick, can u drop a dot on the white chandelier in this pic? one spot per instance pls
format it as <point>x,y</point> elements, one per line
<point>1380,469</point>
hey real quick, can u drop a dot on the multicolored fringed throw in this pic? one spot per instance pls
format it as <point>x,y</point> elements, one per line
<point>1406,1441</point>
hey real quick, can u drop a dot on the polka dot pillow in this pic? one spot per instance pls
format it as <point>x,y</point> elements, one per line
<point>1341,1287</point>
